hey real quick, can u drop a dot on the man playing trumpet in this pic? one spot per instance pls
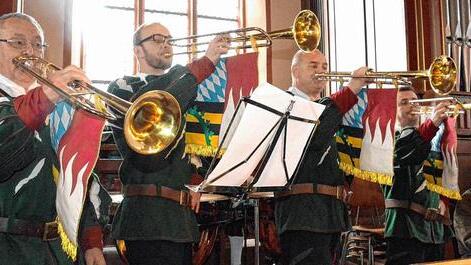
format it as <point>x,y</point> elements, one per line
<point>416,228</point>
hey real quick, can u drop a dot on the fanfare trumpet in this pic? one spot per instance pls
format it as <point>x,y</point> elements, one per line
<point>454,109</point>
<point>441,75</point>
<point>151,122</point>
<point>306,32</point>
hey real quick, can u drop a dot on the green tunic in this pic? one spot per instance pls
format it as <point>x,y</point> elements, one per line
<point>154,218</point>
<point>28,190</point>
<point>410,152</point>
<point>315,212</point>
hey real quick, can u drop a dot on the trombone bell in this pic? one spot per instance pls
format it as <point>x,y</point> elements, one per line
<point>152,123</point>
<point>306,31</point>
<point>442,75</point>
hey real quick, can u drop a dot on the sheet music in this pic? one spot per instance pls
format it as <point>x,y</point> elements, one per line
<point>253,127</point>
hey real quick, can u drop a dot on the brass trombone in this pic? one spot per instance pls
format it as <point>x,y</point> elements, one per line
<point>441,75</point>
<point>306,32</point>
<point>151,122</point>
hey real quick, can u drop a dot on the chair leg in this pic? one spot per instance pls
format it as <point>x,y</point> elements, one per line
<point>343,255</point>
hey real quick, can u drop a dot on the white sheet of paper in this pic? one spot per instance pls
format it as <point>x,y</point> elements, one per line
<point>253,127</point>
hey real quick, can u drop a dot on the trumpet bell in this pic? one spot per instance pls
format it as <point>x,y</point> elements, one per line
<point>306,30</point>
<point>442,73</point>
<point>153,122</point>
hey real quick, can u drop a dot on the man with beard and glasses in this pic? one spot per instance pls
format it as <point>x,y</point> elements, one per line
<point>157,226</point>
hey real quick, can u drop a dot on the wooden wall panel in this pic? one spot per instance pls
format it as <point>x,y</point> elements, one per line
<point>7,6</point>
<point>464,159</point>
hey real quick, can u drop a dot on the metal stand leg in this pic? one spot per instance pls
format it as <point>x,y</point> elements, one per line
<point>257,231</point>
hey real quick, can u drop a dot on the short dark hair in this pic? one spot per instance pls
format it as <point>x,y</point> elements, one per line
<point>24,17</point>
<point>406,88</point>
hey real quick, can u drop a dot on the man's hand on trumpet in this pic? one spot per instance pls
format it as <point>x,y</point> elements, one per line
<point>359,80</point>
<point>217,47</point>
<point>440,112</point>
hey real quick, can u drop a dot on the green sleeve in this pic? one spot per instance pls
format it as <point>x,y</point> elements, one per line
<point>16,142</point>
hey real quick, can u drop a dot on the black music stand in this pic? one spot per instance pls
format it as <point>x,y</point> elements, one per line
<point>279,129</point>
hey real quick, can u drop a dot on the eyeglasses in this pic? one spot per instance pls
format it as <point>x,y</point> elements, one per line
<point>157,38</point>
<point>21,44</point>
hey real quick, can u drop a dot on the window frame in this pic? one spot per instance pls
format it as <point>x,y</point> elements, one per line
<point>139,19</point>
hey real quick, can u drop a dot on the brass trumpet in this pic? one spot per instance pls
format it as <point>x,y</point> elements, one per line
<point>151,122</point>
<point>441,75</point>
<point>455,109</point>
<point>306,32</point>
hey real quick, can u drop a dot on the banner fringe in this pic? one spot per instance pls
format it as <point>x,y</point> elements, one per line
<point>387,180</point>
<point>452,194</point>
<point>69,248</point>
<point>202,150</point>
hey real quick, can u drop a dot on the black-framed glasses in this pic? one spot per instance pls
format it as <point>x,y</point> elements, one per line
<point>157,38</point>
<point>21,44</point>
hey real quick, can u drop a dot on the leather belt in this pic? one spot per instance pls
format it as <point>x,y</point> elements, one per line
<point>45,231</point>
<point>309,188</point>
<point>151,190</point>
<point>429,214</point>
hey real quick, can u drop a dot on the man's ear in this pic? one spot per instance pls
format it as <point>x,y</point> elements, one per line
<point>138,52</point>
<point>295,71</point>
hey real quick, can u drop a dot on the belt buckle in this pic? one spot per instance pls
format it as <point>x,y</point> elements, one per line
<point>51,231</point>
<point>431,214</point>
<point>184,198</point>
<point>338,193</point>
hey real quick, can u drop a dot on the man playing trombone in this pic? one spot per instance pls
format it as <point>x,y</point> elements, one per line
<point>156,218</point>
<point>311,216</point>
<point>28,228</point>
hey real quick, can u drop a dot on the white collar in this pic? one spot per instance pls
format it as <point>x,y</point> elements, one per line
<point>11,88</point>
<point>299,93</point>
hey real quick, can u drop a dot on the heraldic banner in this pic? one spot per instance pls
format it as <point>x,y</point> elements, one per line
<point>77,147</point>
<point>365,143</point>
<point>217,97</point>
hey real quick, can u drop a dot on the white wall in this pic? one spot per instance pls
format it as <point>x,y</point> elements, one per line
<point>255,17</point>
<point>50,14</point>
<point>283,13</point>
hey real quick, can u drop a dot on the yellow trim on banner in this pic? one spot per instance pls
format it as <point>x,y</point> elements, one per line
<point>202,150</point>
<point>200,139</point>
<point>55,174</point>
<point>214,118</point>
<point>69,248</point>
<point>387,180</point>
<point>366,175</point>
<point>356,142</point>
<point>452,194</point>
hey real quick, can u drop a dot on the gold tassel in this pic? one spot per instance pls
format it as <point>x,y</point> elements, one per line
<point>202,150</point>
<point>69,248</point>
<point>366,175</point>
<point>452,194</point>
